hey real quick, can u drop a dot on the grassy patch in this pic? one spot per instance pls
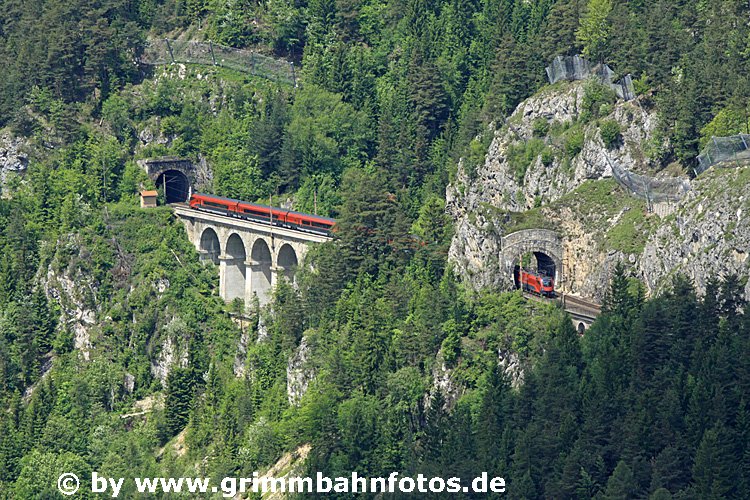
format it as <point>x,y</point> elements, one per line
<point>522,155</point>
<point>631,232</point>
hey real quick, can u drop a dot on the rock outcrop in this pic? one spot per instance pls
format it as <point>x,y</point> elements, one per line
<point>13,156</point>
<point>74,291</point>
<point>704,234</point>
<point>572,192</point>
<point>299,373</point>
<point>484,199</point>
<point>707,236</point>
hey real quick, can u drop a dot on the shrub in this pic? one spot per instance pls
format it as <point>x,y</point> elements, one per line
<point>610,132</point>
<point>540,127</point>
<point>574,142</point>
<point>521,156</point>
<point>548,156</point>
<point>596,97</point>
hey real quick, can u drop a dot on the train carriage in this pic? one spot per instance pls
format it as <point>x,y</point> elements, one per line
<point>535,283</point>
<point>262,213</point>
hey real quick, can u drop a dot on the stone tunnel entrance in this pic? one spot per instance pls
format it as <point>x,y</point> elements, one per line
<point>536,262</point>
<point>175,186</point>
<point>539,249</point>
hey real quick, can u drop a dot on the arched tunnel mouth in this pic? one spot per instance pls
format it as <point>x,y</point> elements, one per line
<point>535,262</point>
<point>175,186</point>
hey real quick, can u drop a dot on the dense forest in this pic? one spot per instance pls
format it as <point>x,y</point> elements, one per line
<point>650,403</point>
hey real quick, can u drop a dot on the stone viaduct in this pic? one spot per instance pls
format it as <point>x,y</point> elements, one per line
<point>252,256</point>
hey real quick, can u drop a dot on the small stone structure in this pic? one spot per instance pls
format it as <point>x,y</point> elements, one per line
<point>148,199</point>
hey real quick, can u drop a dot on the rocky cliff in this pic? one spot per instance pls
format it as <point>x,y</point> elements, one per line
<point>707,236</point>
<point>14,157</point>
<point>550,166</point>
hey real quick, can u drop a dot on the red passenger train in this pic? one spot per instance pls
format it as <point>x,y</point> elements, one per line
<point>262,213</point>
<point>535,283</point>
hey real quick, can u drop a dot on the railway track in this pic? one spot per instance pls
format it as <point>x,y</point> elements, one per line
<point>577,307</point>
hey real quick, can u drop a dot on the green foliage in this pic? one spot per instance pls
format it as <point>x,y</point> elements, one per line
<point>650,400</point>
<point>540,127</point>
<point>630,233</point>
<point>522,155</point>
<point>548,156</point>
<point>728,121</point>
<point>594,30</point>
<point>574,139</point>
<point>596,99</point>
<point>477,153</point>
<point>610,132</point>
<point>324,135</point>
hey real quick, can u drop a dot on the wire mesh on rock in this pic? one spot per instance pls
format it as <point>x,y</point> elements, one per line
<point>722,149</point>
<point>651,189</point>
<point>572,68</point>
<point>166,51</point>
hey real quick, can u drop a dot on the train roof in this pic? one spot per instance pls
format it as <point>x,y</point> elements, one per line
<point>328,219</point>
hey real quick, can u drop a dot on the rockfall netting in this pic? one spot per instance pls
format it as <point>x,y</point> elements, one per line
<point>577,68</point>
<point>723,149</point>
<point>190,52</point>
<point>651,189</point>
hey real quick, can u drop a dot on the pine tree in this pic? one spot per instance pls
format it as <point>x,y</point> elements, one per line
<point>714,468</point>
<point>620,485</point>
<point>493,421</point>
<point>178,399</point>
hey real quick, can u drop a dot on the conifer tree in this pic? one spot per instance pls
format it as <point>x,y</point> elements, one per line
<point>594,30</point>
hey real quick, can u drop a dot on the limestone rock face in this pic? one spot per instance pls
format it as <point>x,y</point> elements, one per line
<point>704,234</point>
<point>707,236</point>
<point>173,352</point>
<point>13,158</point>
<point>298,373</point>
<point>75,293</point>
<point>477,197</point>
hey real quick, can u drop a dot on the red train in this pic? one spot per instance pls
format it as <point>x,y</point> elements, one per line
<point>535,283</point>
<point>262,213</point>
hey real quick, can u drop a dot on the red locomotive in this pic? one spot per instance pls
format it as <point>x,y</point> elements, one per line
<point>262,213</point>
<point>535,283</point>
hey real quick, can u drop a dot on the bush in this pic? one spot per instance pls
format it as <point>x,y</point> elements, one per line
<point>540,127</point>
<point>522,155</point>
<point>610,132</point>
<point>548,156</point>
<point>596,99</point>
<point>574,142</point>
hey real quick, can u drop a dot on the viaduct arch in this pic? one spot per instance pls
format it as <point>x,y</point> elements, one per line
<point>252,256</point>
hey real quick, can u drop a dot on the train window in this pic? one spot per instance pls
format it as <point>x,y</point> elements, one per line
<point>321,225</point>
<point>213,204</point>
<point>256,213</point>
